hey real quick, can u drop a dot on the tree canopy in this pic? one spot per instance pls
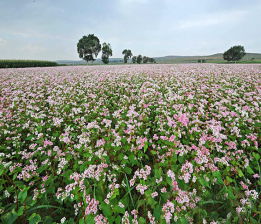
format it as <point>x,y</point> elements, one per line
<point>88,47</point>
<point>235,53</point>
<point>106,52</point>
<point>145,59</point>
<point>134,59</point>
<point>139,59</point>
<point>127,54</point>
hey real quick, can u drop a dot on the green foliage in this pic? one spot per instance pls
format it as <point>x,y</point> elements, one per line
<point>106,52</point>
<point>235,53</point>
<point>26,63</point>
<point>60,175</point>
<point>145,59</point>
<point>139,59</point>
<point>127,54</point>
<point>134,59</point>
<point>152,60</point>
<point>88,47</point>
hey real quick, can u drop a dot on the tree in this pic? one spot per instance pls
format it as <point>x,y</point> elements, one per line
<point>134,59</point>
<point>204,61</point>
<point>106,52</point>
<point>139,59</point>
<point>235,53</point>
<point>199,60</point>
<point>145,59</point>
<point>152,60</point>
<point>127,54</point>
<point>88,47</point>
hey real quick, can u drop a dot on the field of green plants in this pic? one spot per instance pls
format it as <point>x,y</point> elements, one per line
<point>26,63</point>
<point>130,144</point>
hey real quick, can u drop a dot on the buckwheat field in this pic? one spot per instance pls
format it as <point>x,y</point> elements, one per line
<point>130,144</point>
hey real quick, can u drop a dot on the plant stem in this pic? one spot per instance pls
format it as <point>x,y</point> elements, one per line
<point>81,206</point>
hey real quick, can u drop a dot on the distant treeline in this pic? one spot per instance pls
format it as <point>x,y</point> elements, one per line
<point>25,63</point>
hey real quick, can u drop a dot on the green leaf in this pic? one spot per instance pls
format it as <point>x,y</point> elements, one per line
<point>34,218</point>
<point>240,173</point>
<point>82,221</point>
<point>156,212</point>
<point>127,170</point>
<point>151,201</point>
<point>20,211</point>
<point>10,217</point>
<point>257,156</point>
<point>140,203</point>
<point>89,219</point>
<point>47,220</point>
<point>142,220</point>
<point>203,182</point>
<point>249,170</point>
<point>148,193</point>
<point>183,220</point>
<point>145,147</point>
<point>230,193</point>
<point>118,209</point>
<point>115,193</point>
<point>106,209</point>
<point>158,173</point>
<point>253,221</point>
<point>71,221</point>
<point>22,195</point>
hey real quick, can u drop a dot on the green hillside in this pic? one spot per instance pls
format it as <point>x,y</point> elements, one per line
<point>215,58</point>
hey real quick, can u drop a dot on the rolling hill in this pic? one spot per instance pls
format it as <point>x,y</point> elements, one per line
<point>215,58</point>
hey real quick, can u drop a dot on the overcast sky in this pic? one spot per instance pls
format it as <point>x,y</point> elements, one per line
<point>51,29</point>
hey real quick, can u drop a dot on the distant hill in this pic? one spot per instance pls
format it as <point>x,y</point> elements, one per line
<point>82,62</point>
<point>214,58</point>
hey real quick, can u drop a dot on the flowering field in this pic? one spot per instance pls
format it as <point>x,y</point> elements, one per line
<point>130,144</point>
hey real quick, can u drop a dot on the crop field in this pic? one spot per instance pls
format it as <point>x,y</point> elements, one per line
<point>130,144</point>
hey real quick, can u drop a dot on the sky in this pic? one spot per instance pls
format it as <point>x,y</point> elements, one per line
<point>51,29</point>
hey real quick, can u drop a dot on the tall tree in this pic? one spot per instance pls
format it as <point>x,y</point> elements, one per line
<point>235,53</point>
<point>88,47</point>
<point>152,60</point>
<point>139,59</point>
<point>106,52</point>
<point>145,59</point>
<point>127,54</point>
<point>134,59</point>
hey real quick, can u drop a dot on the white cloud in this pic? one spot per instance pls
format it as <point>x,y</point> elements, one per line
<point>32,49</point>
<point>22,34</point>
<point>35,34</point>
<point>215,19</point>
<point>2,41</point>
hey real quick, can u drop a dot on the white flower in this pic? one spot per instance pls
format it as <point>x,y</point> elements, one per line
<point>7,195</point>
<point>63,220</point>
<point>121,205</point>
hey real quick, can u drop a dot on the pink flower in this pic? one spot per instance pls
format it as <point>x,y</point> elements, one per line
<point>154,194</point>
<point>256,176</point>
<point>164,137</point>
<point>100,142</point>
<point>172,138</point>
<point>183,119</point>
<point>121,205</point>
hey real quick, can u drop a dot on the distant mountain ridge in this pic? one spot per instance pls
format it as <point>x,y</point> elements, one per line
<point>215,58</point>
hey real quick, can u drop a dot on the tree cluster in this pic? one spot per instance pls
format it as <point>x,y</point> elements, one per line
<point>127,55</point>
<point>89,47</point>
<point>235,53</point>
<point>138,59</point>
